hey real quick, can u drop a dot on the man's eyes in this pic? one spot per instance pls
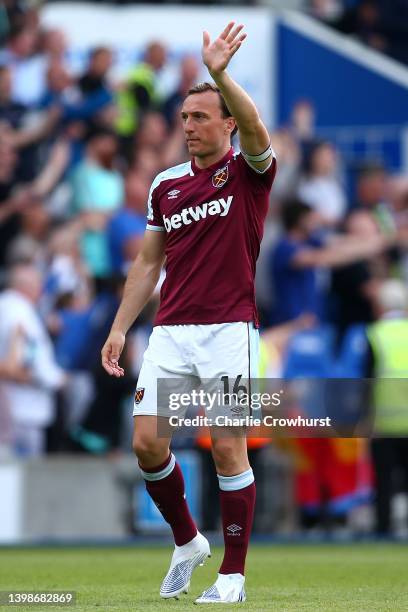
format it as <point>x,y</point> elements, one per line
<point>196,116</point>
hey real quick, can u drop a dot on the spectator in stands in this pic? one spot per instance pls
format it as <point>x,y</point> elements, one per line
<point>189,72</point>
<point>139,93</point>
<point>28,68</point>
<point>288,150</point>
<point>127,226</point>
<point>60,87</point>
<point>326,10</point>
<point>149,149</point>
<point>11,370</point>
<point>67,275</point>
<point>97,192</point>
<point>153,132</point>
<point>31,404</point>
<point>302,122</point>
<point>95,77</point>
<point>319,187</point>
<point>10,205</point>
<point>10,111</point>
<point>31,243</point>
<point>388,339</point>
<point>53,43</point>
<point>398,199</point>
<point>394,24</point>
<point>299,255</point>
<point>381,24</point>
<point>144,161</point>
<point>355,285</point>
<point>371,195</point>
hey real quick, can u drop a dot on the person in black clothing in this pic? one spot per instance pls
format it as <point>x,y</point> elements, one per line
<point>95,77</point>
<point>10,111</point>
<point>9,203</point>
<point>354,285</point>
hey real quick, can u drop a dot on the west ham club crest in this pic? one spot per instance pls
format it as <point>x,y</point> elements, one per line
<point>220,177</point>
<point>139,395</point>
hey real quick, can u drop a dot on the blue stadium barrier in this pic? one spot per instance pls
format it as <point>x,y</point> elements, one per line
<point>363,109</point>
<point>352,356</point>
<point>310,354</point>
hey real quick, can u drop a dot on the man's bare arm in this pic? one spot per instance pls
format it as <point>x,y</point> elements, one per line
<point>140,284</point>
<point>253,135</point>
<point>341,252</point>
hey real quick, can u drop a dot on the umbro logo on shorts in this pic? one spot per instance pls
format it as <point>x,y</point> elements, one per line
<point>234,529</point>
<point>139,395</point>
<point>196,213</point>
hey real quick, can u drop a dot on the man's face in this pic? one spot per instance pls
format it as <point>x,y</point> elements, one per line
<point>310,223</point>
<point>104,148</point>
<point>101,63</point>
<point>205,129</point>
<point>371,188</point>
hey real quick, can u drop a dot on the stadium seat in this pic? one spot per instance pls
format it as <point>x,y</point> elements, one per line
<point>310,357</point>
<point>310,354</point>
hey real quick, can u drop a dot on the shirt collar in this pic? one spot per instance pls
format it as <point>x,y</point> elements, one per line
<point>215,165</point>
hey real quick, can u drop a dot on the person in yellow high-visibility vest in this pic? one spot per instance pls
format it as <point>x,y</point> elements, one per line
<point>388,340</point>
<point>139,93</point>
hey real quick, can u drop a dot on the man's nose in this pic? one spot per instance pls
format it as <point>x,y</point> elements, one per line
<point>188,125</point>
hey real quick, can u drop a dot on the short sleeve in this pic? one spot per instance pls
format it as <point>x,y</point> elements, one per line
<point>260,181</point>
<point>154,218</point>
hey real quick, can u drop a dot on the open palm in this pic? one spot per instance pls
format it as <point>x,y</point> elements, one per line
<point>217,55</point>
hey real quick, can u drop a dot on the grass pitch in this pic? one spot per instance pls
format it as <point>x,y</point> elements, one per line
<point>292,578</point>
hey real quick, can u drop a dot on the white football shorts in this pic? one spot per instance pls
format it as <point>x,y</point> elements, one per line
<point>188,354</point>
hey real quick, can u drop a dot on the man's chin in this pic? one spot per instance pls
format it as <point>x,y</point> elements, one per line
<point>194,148</point>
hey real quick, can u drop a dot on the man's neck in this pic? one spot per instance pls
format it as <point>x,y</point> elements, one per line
<point>209,160</point>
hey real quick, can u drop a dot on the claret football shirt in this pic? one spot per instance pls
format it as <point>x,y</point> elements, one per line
<point>214,219</point>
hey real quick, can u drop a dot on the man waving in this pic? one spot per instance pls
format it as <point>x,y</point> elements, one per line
<point>206,218</point>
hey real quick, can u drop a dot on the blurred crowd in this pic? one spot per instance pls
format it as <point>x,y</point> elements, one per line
<point>78,153</point>
<point>381,24</point>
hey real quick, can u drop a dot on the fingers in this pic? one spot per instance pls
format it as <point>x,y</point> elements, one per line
<point>206,39</point>
<point>234,33</point>
<point>235,46</point>
<point>113,368</point>
<point>117,370</point>
<point>227,30</point>
<point>110,357</point>
<point>114,353</point>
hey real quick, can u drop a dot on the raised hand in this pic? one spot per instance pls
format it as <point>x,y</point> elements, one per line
<point>217,55</point>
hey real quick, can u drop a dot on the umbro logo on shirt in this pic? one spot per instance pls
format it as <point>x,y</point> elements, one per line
<point>173,194</point>
<point>196,213</point>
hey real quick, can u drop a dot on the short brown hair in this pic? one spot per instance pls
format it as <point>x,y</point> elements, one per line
<point>202,87</point>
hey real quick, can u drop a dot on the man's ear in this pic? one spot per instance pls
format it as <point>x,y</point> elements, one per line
<point>230,125</point>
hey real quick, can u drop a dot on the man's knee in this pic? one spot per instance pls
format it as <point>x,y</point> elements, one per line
<point>230,455</point>
<point>149,450</point>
